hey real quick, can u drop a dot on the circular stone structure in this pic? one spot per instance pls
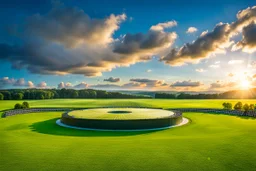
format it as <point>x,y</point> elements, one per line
<point>121,119</point>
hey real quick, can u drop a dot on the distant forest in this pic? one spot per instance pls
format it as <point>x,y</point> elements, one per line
<point>235,94</point>
<point>40,94</point>
<point>34,94</point>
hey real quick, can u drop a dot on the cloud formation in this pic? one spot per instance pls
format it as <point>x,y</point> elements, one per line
<point>69,85</point>
<point>68,41</point>
<point>210,43</point>
<point>218,85</point>
<point>148,82</point>
<point>64,85</point>
<point>113,80</point>
<point>9,82</point>
<point>162,26</point>
<point>188,83</point>
<point>42,85</point>
<point>151,43</point>
<point>5,81</point>
<point>81,85</point>
<point>134,84</point>
<point>248,42</point>
<point>191,30</point>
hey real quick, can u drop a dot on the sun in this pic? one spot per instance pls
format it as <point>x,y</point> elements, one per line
<point>245,84</point>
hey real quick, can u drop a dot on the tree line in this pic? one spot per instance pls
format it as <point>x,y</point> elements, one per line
<point>239,106</point>
<point>236,94</point>
<point>40,94</point>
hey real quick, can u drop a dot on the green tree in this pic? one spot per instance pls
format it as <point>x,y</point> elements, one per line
<point>238,106</point>
<point>26,105</point>
<point>1,96</point>
<point>17,106</point>
<point>18,96</point>
<point>251,107</point>
<point>246,107</point>
<point>7,95</point>
<point>74,94</point>
<point>83,94</point>
<point>229,106</point>
<point>224,105</point>
<point>93,94</point>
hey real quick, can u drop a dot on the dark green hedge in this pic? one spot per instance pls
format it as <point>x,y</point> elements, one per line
<point>122,124</point>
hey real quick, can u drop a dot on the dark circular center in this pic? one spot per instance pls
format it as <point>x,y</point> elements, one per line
<point>119,111</point>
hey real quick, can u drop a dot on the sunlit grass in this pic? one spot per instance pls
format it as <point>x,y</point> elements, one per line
<point>210,142</point>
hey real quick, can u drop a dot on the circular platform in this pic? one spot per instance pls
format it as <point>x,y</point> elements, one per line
<point>122,118</point>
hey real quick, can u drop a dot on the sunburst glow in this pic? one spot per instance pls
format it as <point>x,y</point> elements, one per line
<point>245,84</point>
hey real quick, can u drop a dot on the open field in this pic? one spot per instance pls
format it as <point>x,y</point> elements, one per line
<point>209,142</point>
<point>83,103</point>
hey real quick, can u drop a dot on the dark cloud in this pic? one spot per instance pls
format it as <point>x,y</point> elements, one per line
<point>113,80</point>
<point>248,42</point>
<point>148,82</point>
<point>68,41</point>
<point>72,26</point>
<point>135,43</point>
<point>188,83</point>
<point>222,85</point>
<point>202,47</point>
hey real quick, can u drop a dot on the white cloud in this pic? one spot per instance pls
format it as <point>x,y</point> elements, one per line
<point>42,84</point>
<point>6,81</point>
<point>216,41</point>
<point>162,26</point>
<point>191,30</point>
<point>232,62</point>
<point>214,66</point>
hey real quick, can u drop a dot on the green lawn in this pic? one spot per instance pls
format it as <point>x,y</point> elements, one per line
<point>81,103</point>
<point>134,113</point>
<point>210,142</point>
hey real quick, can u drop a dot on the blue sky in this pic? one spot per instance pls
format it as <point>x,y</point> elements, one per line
<point>207,72</point>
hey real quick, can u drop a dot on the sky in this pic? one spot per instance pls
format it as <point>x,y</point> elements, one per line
<point>128,45</point>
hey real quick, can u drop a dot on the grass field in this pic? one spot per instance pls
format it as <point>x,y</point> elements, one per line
<point>210,142</point>
<point>80,103</point>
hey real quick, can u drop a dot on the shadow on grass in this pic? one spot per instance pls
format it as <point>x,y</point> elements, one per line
<point>50,127</point>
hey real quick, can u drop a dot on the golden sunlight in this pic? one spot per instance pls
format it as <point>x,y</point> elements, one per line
<point>245,84</point>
